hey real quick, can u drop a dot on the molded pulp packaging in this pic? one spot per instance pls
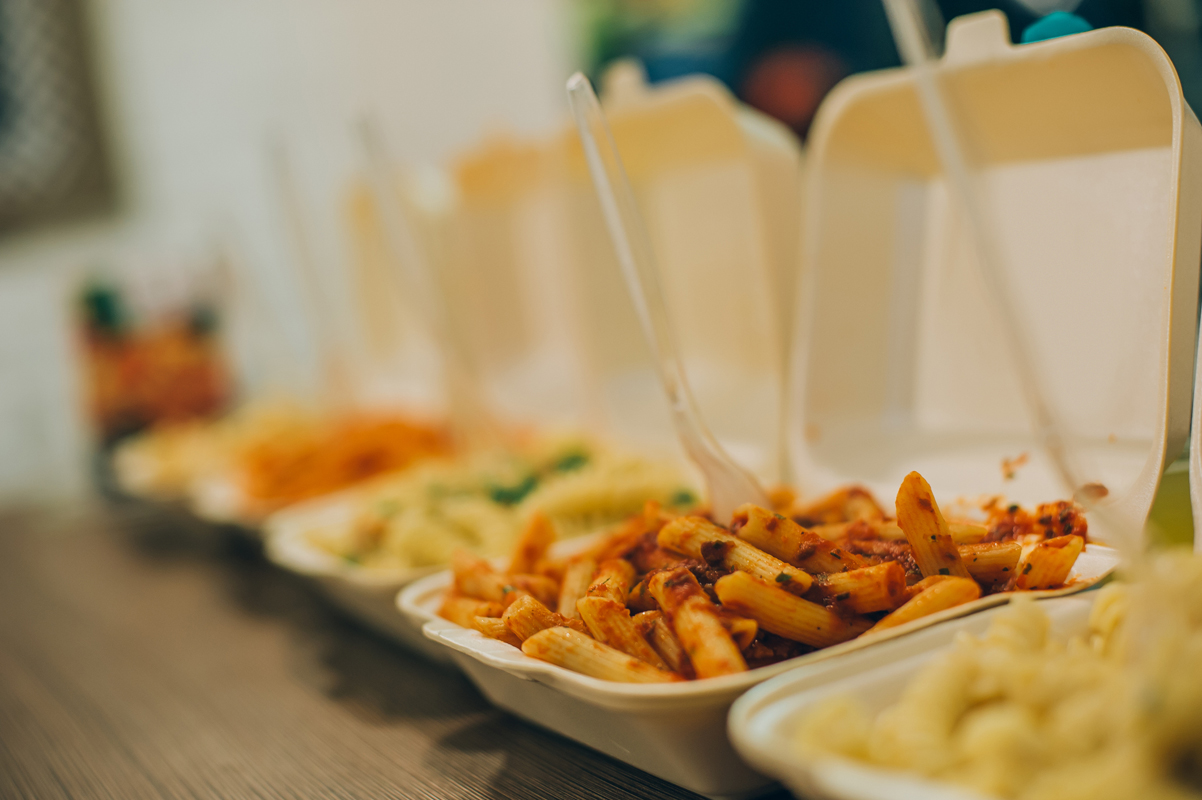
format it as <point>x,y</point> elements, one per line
<point>538,298</point>
<point>1093,167</point>
<point>1093,159</point>
<point>719,188</point>
<point>763,722</point>
<point>675,731</point>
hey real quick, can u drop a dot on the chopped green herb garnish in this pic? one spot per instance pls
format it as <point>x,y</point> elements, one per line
<point>835,554</point>
<point>570,461</point>
<point>1013,509</point>
<point>507,589</point>
<point>781,517</point>
<point>783,578</point>
<point>843,596</point>
<point>514,494</point>
<point>682,499</point>
<point>1027,568</point>
<point>944,571</point>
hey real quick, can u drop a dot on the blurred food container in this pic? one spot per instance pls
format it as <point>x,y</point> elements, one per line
<point>673,730</point>
<point>152,352</point>
<point>719,187</point>
<point>1195,451</point>
<point>763,723</point>
<point>1093,168</point>
<point>364,545</point>
<point>537,296</point>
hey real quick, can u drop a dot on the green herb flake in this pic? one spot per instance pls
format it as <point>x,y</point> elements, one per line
<point>843,596</point>
<point>507,589</point>
<point>513,494</point>
<point>781,517</point>
<point>682,499</point>
<point>944,571</point>
<point>570,462</point>
<point>1013,509</point>
<point>783,578</point>
<point>1027,568</point>
<point>835,554</point>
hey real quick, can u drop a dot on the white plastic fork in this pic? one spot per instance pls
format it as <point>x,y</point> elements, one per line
<point>728,484</point>
<point>471,423</point>
<point>916,26</point>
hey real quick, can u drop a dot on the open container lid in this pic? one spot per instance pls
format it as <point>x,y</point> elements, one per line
<point>718,185</point>
<point>1092,162</point>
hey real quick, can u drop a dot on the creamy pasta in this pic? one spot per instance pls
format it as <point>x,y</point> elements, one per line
<point>481,502</point>
<point>1016,714</point>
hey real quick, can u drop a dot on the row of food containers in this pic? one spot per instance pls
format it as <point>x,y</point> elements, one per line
<point>578,579</point>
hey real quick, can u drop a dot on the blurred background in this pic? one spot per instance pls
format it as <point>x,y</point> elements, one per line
<point>136,166</point>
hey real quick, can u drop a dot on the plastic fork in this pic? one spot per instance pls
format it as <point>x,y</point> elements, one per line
<point>728,484</point>
<point>916,26</point>
<point>471,423</point>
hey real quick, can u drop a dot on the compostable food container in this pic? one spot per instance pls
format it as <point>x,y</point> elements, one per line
<point>763,722</point>
<point>675,731</point>
<point>1092,167</point>
<point>536,293</point>
<point>719,186</point>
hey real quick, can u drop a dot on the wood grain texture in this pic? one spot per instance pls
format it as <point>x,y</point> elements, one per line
<point>142,655</point>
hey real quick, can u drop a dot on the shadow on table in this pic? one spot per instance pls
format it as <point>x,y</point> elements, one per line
<point>536,763</point>
<point>369,675</point>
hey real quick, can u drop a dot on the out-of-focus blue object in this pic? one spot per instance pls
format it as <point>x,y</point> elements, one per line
<point>1053,26</point>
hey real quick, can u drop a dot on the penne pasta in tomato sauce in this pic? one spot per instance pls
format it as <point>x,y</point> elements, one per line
<point>667,598</point>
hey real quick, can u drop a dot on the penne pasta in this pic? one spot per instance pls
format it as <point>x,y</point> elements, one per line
<point>475,577</point>
<point>842,505</point>
<point>939,596</point>
<point>1049,563</point>
<point>866,590</point>
<point>785,614</point>
<point>613,579</point>
<point>610,623</point>
<point>576,580</point>
<point>927,532</point>
<point>961,532</point>
<point>924,584</point>
<point>495,628</point>
<point>527,616</point>
<point>645,620</point>
<point>464,610</point>
<point>632,606</point>
<point>783,538</point>
<point>694,620</point>
<point>545,589</point>
<point>992,562</point>
<point>537,536</point>
<point>640,598</point>
<point>701,539</point>
<point>741,629</point>
<point>663,639</point>
<point>579,653</point>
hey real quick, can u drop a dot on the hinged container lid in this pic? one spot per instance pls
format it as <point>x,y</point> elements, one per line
<point>1093,165</point>
<point>719,187</point>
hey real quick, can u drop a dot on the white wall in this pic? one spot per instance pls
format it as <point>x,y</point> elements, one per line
<point>194,90</point>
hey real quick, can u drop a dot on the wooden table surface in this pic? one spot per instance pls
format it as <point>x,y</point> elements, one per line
<point>144,655</point>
